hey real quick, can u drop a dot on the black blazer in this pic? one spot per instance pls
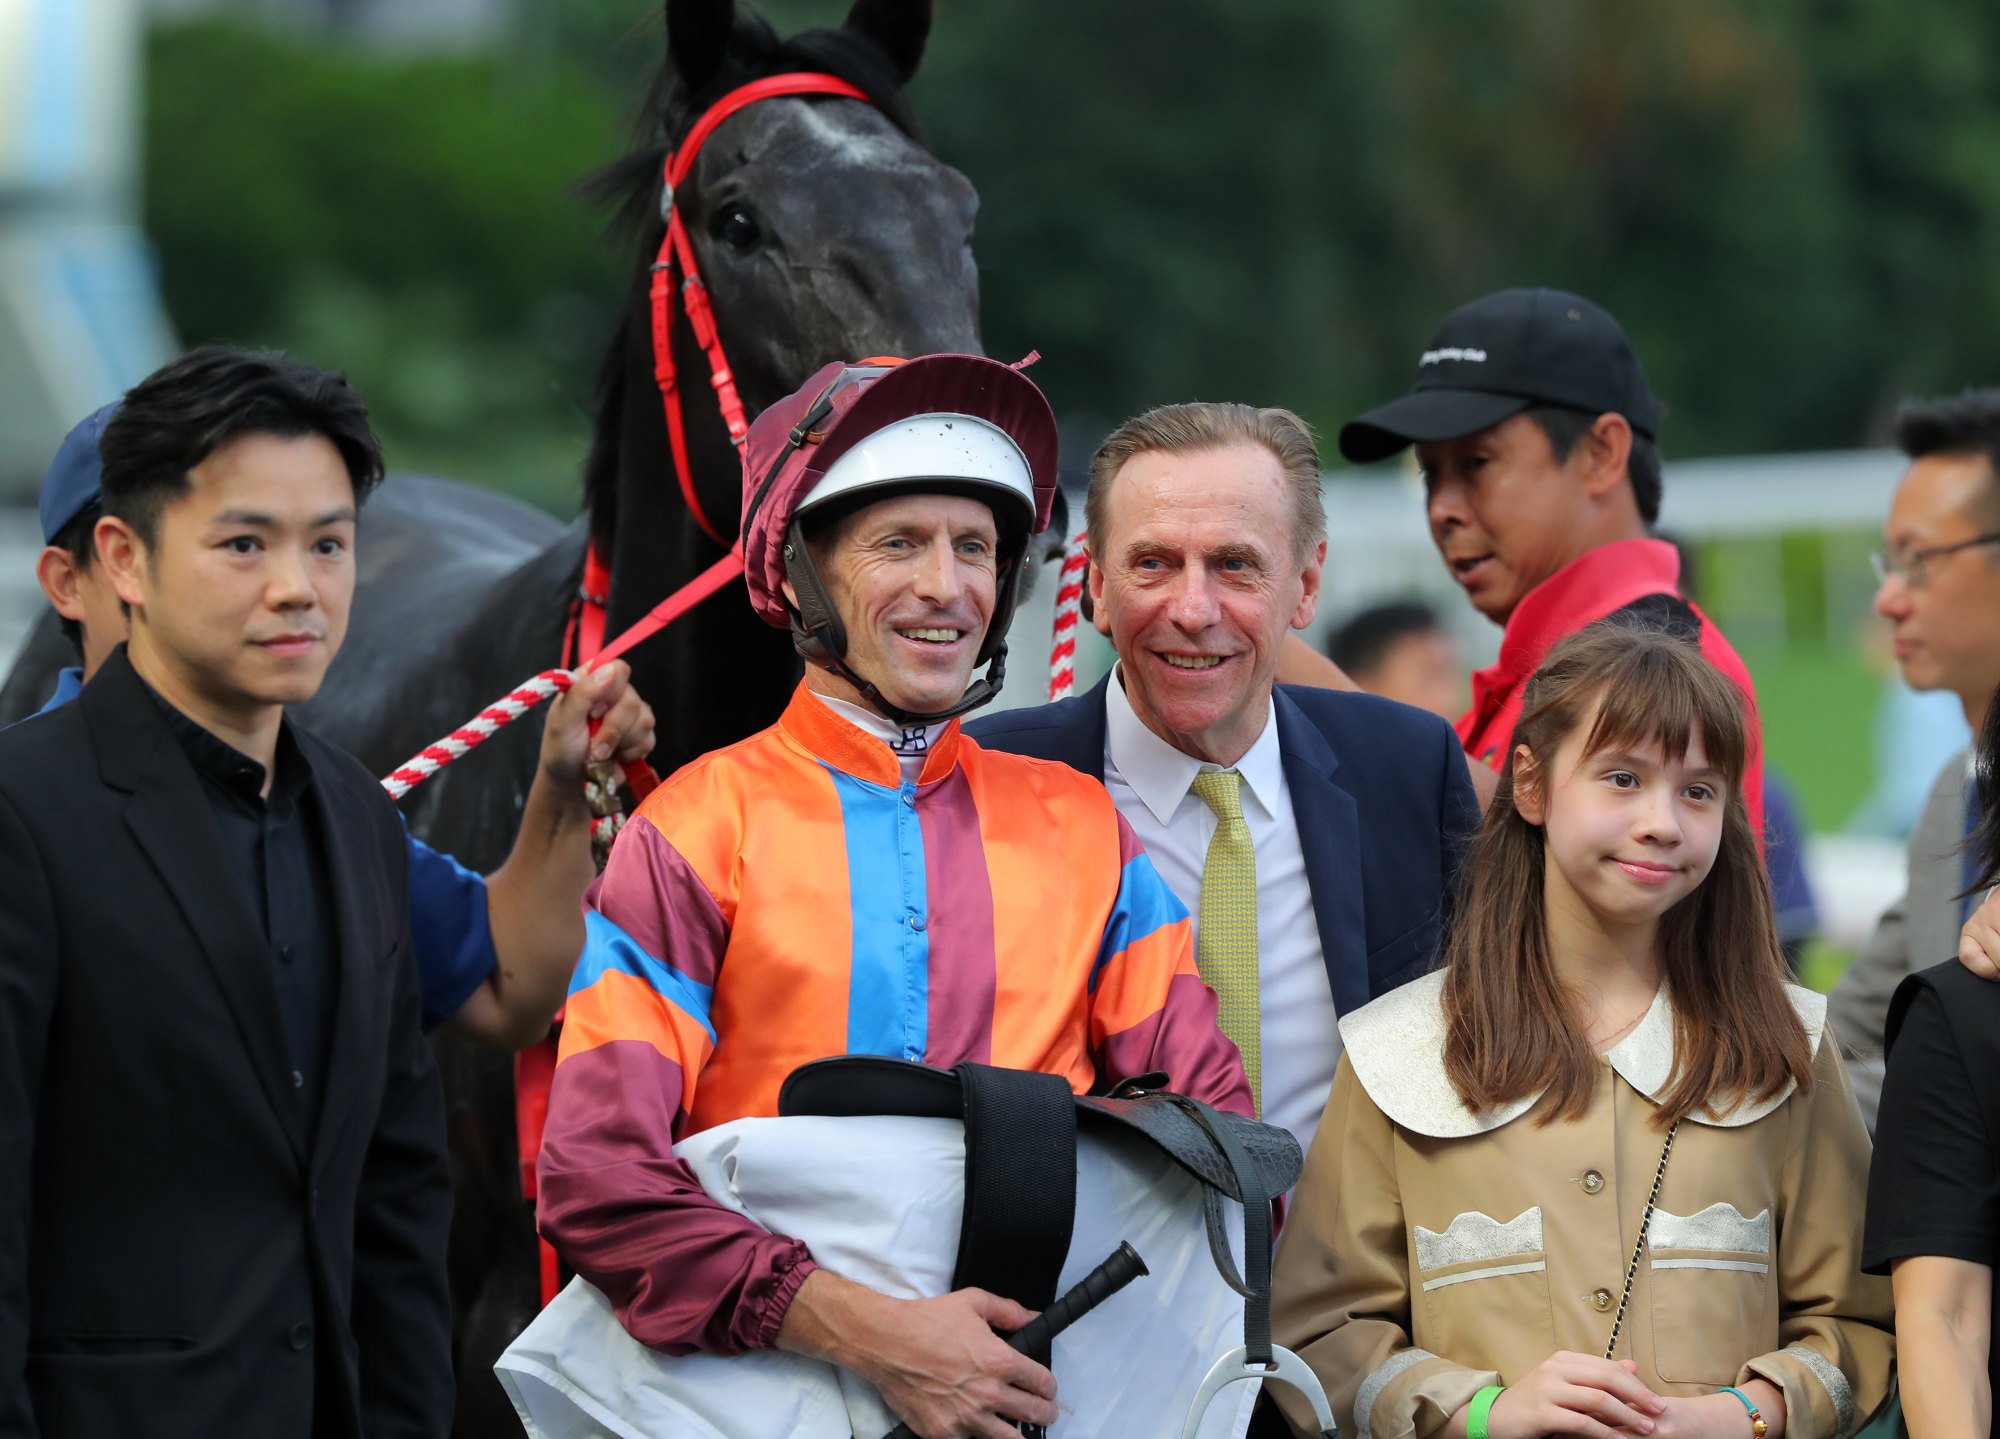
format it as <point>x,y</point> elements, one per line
<point>1384,808</point>
<point>180,1251</point>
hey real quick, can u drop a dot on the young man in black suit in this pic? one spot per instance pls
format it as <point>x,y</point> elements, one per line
<point>223,1198</point>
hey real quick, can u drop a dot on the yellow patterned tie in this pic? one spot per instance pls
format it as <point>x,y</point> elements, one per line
<point>1226,952</point>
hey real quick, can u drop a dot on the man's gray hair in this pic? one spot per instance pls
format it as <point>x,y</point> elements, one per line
<point>1213,425</point>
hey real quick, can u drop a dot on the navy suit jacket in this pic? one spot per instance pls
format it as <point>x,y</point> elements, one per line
<point>1384,808</point>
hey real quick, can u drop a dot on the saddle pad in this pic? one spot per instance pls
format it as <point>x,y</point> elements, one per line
<point>877,1199</point>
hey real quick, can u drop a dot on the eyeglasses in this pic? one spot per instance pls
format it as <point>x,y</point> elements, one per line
<point>1912,566</point>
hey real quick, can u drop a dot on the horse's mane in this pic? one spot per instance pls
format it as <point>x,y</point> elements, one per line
<point>630,186</point>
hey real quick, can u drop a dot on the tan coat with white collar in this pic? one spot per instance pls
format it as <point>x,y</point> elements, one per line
<point>1432,1251</point>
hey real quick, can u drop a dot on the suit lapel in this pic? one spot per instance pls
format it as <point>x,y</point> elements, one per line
<point>169,817</point>
<point>333,820</point>
<point>1330,837</point>
<point>1080,741</point>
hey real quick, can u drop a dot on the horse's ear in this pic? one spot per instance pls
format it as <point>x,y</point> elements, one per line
<point>698,34</point>
<point>898,27</point>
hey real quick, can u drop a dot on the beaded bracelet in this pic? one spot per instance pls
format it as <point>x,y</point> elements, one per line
<point>1476,1412</point>
<point>1758,1428</point>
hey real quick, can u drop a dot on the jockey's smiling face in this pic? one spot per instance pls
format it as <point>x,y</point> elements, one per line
<point>240,593</point>
<point>913,579</point>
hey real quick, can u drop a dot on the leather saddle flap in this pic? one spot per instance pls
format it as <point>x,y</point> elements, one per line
<point>862,1084</point>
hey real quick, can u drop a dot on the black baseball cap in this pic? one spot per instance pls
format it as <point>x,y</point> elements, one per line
<point>1497,356</point>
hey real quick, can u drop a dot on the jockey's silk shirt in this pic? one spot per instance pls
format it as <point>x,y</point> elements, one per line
<point>792,897</point>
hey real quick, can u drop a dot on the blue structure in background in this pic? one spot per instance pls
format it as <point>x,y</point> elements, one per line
<point>80,313</point>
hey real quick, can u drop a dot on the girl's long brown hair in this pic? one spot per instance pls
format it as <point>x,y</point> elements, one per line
<point>1511,1025</point>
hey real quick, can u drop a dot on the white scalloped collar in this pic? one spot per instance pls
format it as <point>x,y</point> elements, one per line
<point>1396,1045</point>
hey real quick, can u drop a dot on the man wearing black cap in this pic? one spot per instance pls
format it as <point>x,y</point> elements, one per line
<point>1537,436</point>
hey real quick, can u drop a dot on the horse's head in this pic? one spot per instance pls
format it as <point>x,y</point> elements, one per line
<point>822,228</point>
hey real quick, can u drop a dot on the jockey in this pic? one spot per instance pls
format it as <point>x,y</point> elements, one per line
<point>861,878</point>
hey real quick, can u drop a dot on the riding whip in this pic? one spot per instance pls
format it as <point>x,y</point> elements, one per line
<point>1086,1294</point>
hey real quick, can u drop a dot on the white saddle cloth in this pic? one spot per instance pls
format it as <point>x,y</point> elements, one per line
<point>878,1200</point>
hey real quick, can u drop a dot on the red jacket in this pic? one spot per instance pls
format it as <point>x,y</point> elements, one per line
<point>1595,585</point>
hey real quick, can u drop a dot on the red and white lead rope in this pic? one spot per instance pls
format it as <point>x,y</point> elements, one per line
<point>1069,611</point>
<point>549,683</point>
<point>480,728</point>
<point>475,731</point>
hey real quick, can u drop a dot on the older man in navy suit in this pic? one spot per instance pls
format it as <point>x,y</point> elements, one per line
<point>1314,834</point>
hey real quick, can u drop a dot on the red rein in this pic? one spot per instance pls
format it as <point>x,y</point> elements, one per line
<point>676,253</point>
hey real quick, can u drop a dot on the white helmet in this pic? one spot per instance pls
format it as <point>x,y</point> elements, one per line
<point>971,454</point>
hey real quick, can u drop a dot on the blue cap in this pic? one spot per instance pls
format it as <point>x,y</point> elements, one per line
<point>76,475</point>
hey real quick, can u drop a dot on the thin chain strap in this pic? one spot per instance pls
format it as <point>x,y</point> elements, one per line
<point>1645,1222</point>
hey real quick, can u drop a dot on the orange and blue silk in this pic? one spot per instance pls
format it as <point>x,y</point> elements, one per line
<point>791,898</point>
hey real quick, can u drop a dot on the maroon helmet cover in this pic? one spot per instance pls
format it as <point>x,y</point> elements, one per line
<point>956,384</point>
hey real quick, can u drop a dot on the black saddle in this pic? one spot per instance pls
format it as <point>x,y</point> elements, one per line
<point>1020,1164</point>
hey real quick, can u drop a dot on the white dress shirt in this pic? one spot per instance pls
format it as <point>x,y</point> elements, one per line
<point>1151,783</point>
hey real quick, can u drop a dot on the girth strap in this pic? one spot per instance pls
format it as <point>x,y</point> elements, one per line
<point>1254,1282</point>
<point>1020,1184</point>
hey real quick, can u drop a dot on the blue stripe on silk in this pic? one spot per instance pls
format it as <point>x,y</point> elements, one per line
<point>1144,905</point>
<point>888,983</point>
<point>606,947</point>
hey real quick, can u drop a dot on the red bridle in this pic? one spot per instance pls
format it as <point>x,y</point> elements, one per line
<point>676,253</point>
<point>584,638</point>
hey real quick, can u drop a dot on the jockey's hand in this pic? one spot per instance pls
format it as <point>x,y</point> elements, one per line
<point>940,1365</point>
<point>1574,1394</point>
<point>624,731</point>
<point>1979,941</point>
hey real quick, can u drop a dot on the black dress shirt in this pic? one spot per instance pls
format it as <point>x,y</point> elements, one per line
<point>274,856</point>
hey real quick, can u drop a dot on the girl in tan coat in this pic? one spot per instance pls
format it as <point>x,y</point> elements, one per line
<point>1603,1174</point>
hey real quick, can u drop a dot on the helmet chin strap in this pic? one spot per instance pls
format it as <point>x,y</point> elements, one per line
<point>979,692</point>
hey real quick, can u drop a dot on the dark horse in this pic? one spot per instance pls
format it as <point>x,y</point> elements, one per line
<point>824,230</point>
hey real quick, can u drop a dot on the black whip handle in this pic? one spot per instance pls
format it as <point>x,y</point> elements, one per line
<point>1093,1289</point>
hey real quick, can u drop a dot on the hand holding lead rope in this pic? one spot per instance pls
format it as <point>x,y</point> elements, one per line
<point>1086,1294</point>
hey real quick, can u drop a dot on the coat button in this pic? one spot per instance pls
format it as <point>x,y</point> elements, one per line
<point>298,1079</point>
<point>300,1337</point>
<point>1600,1300</point>
<point>1593,1182</point>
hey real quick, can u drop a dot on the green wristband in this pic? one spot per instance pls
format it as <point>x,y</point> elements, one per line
<point>1478,1409</point>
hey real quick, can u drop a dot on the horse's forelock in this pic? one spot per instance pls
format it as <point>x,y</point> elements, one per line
<point>629,185</point>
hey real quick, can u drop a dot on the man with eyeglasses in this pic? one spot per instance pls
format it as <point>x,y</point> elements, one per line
<point>1939,578</point>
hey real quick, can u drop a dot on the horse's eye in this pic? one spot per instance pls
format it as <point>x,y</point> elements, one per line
<point>735,228</point>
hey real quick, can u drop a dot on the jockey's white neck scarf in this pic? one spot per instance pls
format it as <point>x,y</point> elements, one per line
<point>912,744</point>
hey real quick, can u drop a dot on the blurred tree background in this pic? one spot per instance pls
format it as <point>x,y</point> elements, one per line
<point>1794,207</point>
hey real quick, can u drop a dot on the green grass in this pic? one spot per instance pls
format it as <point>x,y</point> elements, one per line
<point>1823,965</point>
<point>1818,710</point>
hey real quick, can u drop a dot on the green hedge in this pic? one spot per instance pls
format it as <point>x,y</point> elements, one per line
<point>413,221</point>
